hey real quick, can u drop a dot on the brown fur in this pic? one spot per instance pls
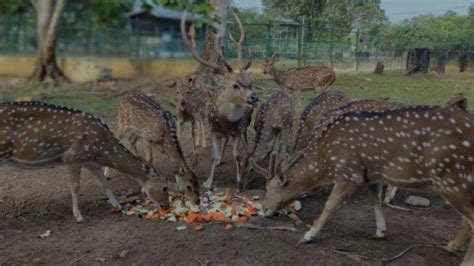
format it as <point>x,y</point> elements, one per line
<point>142,118</point>
<point>409,147</point>
<point>316,78</point>
<point>35,135</point>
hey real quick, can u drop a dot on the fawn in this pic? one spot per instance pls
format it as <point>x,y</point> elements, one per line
<point>142,118</point>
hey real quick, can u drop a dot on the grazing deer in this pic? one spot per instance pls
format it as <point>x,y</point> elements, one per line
<point>273,116</point>
<point>142,118</point>
<point>458,102</point>
<point>316,78</point>
<point>191,105</point>
<point>36,135</point>
<point>227,106</point>
<point>413,147</point>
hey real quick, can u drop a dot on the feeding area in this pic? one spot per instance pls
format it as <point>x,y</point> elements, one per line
<point>236,132</point>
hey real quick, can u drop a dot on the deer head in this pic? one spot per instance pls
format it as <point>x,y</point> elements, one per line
<point>236,87</point>
<point>154,188</point>
<point>268,63</point>
<point>279,190</point>
<point>189,187</point>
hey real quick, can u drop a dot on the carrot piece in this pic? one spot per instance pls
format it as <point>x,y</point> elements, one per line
<point>192,216</point>
<point>227,195</point>
<point>294,217</point>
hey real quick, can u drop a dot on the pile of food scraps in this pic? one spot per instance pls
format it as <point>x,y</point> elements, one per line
<point>223,206</point>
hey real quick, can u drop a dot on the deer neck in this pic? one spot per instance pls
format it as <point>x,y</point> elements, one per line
<point>118,157</point>
<point>228,110</point>
<point>307,174</point>
<point>277,74</point>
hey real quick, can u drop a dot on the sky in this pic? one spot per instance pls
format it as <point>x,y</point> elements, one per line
<point>398,10</point>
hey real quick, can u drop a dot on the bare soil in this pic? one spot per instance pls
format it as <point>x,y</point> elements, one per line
<point>32,202</point>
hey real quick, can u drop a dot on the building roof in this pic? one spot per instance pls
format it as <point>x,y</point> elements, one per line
<point>159,12</point>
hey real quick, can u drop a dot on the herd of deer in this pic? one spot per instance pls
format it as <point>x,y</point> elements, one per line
<point>338,142</point>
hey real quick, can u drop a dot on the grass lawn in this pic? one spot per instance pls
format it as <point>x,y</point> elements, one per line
<point>101,98</point>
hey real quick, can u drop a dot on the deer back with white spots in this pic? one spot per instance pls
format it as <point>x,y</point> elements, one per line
<point>411,147</point>
<point>316,78</point>
<point>35,135</point>
<point>142,118</point>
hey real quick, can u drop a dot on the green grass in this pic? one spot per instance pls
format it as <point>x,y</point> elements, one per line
<point>417,89</point>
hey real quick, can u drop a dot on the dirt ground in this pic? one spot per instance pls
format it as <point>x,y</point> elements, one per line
<point>32,202</point>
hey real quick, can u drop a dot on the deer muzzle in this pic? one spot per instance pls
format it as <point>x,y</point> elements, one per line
<point>253,98</point>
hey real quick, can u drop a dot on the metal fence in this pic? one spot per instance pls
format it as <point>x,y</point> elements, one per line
<point>297,43</point>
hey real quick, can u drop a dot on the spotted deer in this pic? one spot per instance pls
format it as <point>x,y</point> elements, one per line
<point>37,135</point>
<point>412,147</point>
<point>227,105</point>
<point>142,118</point>
<point>272,118</point>
<point>458,102</point>
<point>191,106</point>
<point>316,78</point>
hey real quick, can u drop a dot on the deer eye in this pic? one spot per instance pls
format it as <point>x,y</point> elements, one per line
<point>235,86</point>
<point>189,188</point>
<point>165,189</point>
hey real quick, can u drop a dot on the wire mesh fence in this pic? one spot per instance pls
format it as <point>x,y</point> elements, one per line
<point>297,43</point>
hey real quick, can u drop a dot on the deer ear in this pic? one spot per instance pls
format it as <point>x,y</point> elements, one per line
<point>247,65</point>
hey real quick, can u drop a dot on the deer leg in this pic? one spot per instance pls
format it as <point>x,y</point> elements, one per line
<point>148,152</point>
<point>460,238</point>
<point>193,135</point>
<point>235,152</point>
<point>221,155</point>
<point>216,160</point>
<point>339,192</point>
<point>75,183</point>
<point>390,194</point>
<point>203,134</point>
<point>379,218</point>
<point>104,184</point>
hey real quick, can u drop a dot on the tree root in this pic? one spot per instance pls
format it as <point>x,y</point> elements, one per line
<point>357,257</point>
<point>277,228</point>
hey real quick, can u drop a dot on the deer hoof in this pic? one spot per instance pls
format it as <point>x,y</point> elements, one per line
<point>79,219</point>
<point>307,238</point>
<point>452,246</point>
<point>380,234</point>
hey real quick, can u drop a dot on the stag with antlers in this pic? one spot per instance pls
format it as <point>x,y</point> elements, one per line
<point>227,105</point>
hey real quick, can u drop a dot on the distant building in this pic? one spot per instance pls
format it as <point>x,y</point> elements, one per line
<point>158,29</point>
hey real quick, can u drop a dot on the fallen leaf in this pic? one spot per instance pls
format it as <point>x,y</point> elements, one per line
<point>45,234</point>
<point>198,227</point>
<point>229,227</point>
<point>181,227</point>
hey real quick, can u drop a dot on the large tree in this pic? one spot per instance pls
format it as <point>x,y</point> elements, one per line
<point>48,13</point>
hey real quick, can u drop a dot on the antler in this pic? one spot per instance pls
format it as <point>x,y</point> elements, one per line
<point>239,44</point>
<point>192,46</point>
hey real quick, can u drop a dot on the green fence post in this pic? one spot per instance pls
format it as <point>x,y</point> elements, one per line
<point>356,61</point>
<point>268,50</point>
<point>330,47</point>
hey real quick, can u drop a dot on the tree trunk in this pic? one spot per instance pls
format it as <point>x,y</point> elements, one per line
<point>48,17</point>
<point>214,42</point>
